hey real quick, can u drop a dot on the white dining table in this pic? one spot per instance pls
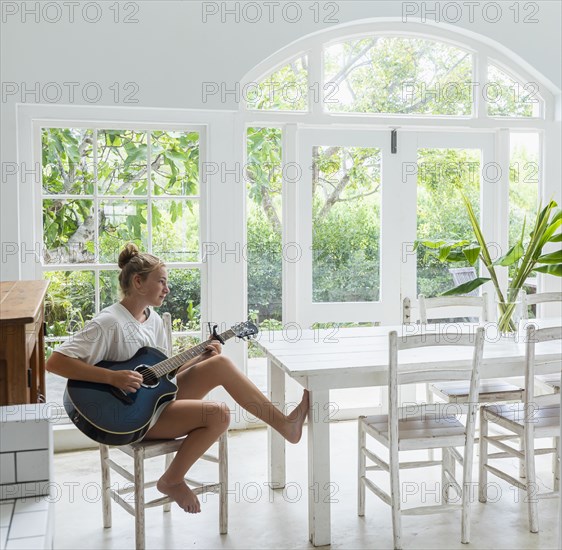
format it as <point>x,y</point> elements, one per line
<point>330,359</point>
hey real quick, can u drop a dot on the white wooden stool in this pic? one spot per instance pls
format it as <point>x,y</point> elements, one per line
<point>148,449</point>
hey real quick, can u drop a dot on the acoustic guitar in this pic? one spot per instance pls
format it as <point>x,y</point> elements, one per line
<point>112,416</point>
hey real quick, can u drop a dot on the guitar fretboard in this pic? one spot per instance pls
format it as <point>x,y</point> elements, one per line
<point>175,362</point>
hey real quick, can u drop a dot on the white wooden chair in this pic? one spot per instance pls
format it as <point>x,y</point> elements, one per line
<point>422,427</point>
<point>537,417</point>
<point>143,450</point>
<point>491,391</point>
<point>464,275</point>
<point>550,381</point>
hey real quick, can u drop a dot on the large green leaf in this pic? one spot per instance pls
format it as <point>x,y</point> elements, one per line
<point>555,238</point>
<point>471,254</point>
<point>444,252</point>
<point>552,269</point>
<point>514,254</point>
<point>552,258</point>
<point>465,288</point>
<point>455,256</point>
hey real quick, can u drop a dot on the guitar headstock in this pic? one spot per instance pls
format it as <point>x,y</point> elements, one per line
<point>245,330</point>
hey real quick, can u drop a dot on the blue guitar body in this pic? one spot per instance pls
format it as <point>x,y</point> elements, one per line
<point>110,416</point>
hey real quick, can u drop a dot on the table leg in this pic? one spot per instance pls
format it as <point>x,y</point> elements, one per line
<point>276,442</point>
<point>320,490</point>
<point>14,364</point>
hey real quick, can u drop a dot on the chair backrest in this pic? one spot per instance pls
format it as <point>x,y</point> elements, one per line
<point>453,301</point>
<point>534,336</point>
<point>398,372</point>
<point>167,320</point>
<point>538,298</point>
<point>406,311</point>
<point>464,275</point>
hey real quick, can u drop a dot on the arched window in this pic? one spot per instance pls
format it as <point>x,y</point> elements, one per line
<point>388,74</point>
<point>373,128</point>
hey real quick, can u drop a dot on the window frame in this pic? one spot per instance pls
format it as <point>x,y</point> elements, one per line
<point>97,266</point>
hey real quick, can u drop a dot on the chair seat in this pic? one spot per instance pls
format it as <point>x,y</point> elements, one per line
<point>489,391</point>
<point>152,447</point>
<point>546,419</point>
<point>550,380</point>
<point>428,429</point>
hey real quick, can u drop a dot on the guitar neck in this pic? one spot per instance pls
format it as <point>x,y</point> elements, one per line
<point>175,362</point>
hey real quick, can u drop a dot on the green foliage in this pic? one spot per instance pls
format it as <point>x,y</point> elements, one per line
<point>120,178</point>
<point>184,301</point>
<point>285,89</point>
<point>346,264</point>
<point>264,267</point>
<point>403,75</point>
<point>69,302</point>
<point>506,97</point>
<point>383,74</point>
<point>525,256</point>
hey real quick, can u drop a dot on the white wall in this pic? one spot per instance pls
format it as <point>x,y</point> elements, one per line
<point>171,51</point>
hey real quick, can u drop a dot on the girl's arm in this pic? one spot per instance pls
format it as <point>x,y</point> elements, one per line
<point>68,367</point>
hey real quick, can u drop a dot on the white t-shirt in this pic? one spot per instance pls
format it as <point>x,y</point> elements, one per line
<point>115,335</point>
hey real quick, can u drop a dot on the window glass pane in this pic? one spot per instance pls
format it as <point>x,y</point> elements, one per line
<point>70,301</point>
<point>264,222</point>
<point>184,300</point>
<point>68,230</point>
<point>524,180</point>
<point>507,97</point>
<point>122,162</point>
<point>68,161</point>
<point>264,242</point>
<point>109,288</point>
<point>283,90</point>
<point>121,221</point>
<point>175,163</point>
<point>442,173</point>
<point>380,74</point>
<point>69,304</point>
<point>346,187</point>
<point>175,230</point>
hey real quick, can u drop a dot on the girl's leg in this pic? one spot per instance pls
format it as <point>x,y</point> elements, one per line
<point>203,422</point>
<point>199,380</point>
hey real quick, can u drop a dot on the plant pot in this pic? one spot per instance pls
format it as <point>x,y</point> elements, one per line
<point>510,312</point>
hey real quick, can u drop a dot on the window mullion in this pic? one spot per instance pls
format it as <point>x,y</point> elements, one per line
<point>96,227</point>
<point>480,81</point>
<point>149,189</point>
<point>315,80</point>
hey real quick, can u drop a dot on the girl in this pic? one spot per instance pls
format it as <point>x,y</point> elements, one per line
<point>120,330</point>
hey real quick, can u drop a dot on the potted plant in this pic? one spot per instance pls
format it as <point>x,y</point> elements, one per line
<point>526,256</point>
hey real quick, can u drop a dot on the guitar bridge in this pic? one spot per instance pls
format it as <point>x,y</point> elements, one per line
<point>120,394</point>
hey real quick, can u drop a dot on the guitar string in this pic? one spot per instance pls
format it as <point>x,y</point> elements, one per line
<point>168,365</point>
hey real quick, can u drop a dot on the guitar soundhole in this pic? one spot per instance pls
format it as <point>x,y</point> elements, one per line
<point>150,380</point>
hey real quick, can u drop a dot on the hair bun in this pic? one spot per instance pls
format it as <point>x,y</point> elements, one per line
<point>127,254</point>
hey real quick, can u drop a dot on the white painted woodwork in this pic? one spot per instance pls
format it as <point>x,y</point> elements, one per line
<point>329,359</point>
<point>534,418</point>
<point>489,392</point>
<point>423,427</point>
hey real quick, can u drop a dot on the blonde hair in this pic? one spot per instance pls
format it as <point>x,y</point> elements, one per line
<point>133,262</point>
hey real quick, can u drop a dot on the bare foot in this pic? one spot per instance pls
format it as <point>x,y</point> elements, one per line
<point>297,417</point>
<point>180,493</point>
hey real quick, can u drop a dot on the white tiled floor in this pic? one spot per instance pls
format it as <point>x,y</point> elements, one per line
<point>24,523</point>
<point>259,518</point>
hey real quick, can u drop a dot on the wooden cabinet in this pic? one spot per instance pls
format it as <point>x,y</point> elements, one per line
<point>22,344</point>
